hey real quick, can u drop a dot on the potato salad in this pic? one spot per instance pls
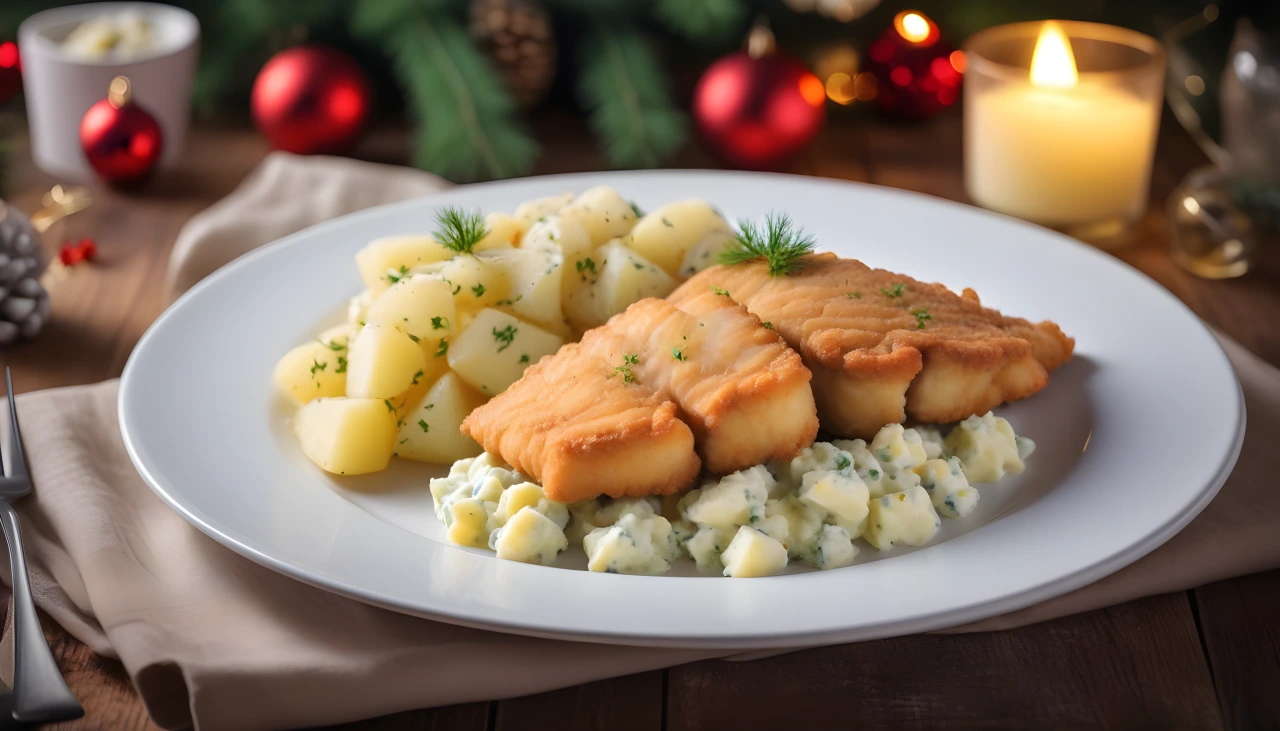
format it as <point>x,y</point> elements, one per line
<point>448,320</point>
<point>893,490</point>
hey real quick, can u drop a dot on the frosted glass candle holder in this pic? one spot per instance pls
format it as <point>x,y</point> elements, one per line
<point>1069,146</point>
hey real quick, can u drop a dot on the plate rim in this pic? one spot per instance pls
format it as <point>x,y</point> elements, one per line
<point>939,619</point>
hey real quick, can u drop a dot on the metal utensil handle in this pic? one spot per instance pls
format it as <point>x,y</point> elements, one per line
<point>40,693</point>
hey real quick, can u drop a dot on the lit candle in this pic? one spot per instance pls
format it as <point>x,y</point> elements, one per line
<point>1051,144</point>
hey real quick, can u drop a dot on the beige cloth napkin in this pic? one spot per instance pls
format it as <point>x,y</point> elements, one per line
<point>213,639</point>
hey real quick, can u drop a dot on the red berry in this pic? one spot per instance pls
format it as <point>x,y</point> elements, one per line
<point>87,249</point>
<point>69,255</point>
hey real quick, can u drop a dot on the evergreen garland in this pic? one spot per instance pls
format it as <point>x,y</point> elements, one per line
<point>467,128</point>
<point>623,88</point>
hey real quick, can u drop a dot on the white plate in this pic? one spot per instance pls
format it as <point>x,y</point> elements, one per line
<point>1135,434</point>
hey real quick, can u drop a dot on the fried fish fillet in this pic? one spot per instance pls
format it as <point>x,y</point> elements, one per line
<point>581,429</point>
<point>884,347</point>
<point>629,410</point>
<point>744,393</point>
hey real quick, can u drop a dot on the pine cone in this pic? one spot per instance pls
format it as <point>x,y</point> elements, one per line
<point>516,36</point>
<point>24,304</point>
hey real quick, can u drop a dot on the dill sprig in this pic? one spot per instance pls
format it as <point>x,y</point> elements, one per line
<point>459,230</point>
<point>780,243</point>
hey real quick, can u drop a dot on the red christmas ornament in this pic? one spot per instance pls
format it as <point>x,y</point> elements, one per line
<point>758,108</point>
<point>121,140</point>
<point>913,73</point>
<point>310,99</point>
<point>10,71</point>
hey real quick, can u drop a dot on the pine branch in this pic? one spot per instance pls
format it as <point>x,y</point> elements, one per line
<point>467,128</point>
<point>623,87</point>
<point>702,21</point>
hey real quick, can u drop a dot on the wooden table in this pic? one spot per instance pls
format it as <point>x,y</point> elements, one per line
<point>1202,659</point>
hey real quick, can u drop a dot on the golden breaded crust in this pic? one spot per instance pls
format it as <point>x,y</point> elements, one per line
<point>574,425</point>
<point>640,404</point>
<point>883,346</point>
<point>742,390</point>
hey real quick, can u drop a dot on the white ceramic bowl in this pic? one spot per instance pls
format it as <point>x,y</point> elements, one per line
<point>61,87</point>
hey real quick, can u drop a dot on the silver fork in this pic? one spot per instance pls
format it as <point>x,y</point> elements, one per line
<point>40,695</point>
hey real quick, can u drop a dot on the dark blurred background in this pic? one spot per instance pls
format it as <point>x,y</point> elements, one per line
<point>631,66</point>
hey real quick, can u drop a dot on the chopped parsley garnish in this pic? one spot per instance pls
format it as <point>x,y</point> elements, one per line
<point>780,243</point>
<point>874,474</point>
<point>768,325</point>
<point>317,366</point>
<point>505,336</point>
<point>717,290</point>
<point>854,295</point>
<point>677,354</point>
<point>894,291</point>
<point>333,345</point>
<point>424,425</point>
<point>390,408</point>
<point>342,365</point>
<point>412,337</point>
<point>637,265</point>
<point>842,463</point>
<point>586,265</point>
<point>429,407</point>
<point>524,358</point>
<point>625,369</point>
<point>416,376</point>
<point>667,223</point>
<point>460,231</point>
<point>921,316</point>
<point>457,288</point>
<point>636,209</point>
<point>478,290</point>
<point>439,323</point>
<point>443,348</point>
<point>510,301</point>
<point>400,274</point>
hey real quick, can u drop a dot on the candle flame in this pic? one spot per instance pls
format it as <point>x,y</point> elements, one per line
<point>1052,63</point>
<point>914,27</point>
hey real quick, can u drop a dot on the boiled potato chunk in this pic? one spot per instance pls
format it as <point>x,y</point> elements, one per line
<point>420,305</point>
<point>666,235</point>
<point>383,260</point>
<point>753,553</point>
<point>605,214</point>
<point>626,277</point>
<point>474,282</point>
<point>338,336</point>
<point>530,212</point>
<point>346,436</point>
<point>705,253</point>
<point>494,350</point>
<point>313,370</point>
<point>534,294</point>
<point>383,362</point>
<point>566,237</point>
<point>430,431</point>
<point>358,309</point>
<point>502,231</point>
